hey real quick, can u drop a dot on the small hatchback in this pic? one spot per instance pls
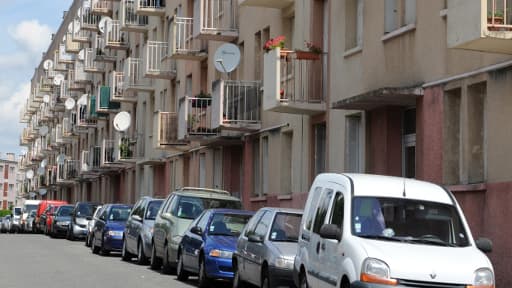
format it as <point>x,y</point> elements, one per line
<point>208,245</point>
<point>109,228</point>
<point>363,230</point>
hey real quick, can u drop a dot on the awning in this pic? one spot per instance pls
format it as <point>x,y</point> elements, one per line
<point>389,96</point>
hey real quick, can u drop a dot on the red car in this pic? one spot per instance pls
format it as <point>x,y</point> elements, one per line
<point>40,209</point>
<point>49,217</point>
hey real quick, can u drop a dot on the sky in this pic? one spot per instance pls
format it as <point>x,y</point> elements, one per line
<point>25,33</point>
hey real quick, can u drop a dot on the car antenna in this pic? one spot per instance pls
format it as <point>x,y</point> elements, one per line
<point>404,190</point>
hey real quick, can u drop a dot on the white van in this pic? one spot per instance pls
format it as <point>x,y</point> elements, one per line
<point>28,206</point>
<point>363,230</point>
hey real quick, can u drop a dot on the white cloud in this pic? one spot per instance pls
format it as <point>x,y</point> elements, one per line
<point>31,36</point>
<point>12,101</point>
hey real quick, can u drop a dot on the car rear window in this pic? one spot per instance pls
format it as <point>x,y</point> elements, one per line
<point>190,207</point>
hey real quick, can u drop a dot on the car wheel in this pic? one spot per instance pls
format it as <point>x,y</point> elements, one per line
<point>125,255</point>
<point>95,249</point>
<point>166,266</point>
<point>88,240</point>
<point>104,252</point>
<point>237,281</point>
<point>180,270</point>
<point>142,259</point>
<point>303,281</point>
<point>204,281</point>
<point>265,280</point>
<point>71,235</point>
<point>156,262</point>
<point>345,283</point>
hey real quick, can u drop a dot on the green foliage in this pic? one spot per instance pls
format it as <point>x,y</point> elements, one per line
<point>5,213</point>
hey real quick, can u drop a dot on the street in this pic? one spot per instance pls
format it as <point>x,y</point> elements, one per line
<point>30,260</point>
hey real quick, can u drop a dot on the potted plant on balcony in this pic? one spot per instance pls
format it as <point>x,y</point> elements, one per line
<point>496,19</point>
<point>313,52</point>
<point>202,100</point>
<point>277,42</point>
<point>125,149</point>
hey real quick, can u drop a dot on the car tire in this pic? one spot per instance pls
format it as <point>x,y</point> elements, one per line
<point>125,255</point>
<point>181,273</point>
<point>303,280</point>
<point>265,280</point>
<point>237,281</point>
<point>95,249</point>
<point>87,241</point>
<point>156,262</point>
<point>103,251</point>
<point>166,266</point>
<point>204,281</point>
<point>142,259</point>
<point>345,283</point>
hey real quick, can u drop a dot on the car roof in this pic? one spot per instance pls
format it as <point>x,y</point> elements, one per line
<point>205,193</point>
<point>283,210</point>
<point>230,211</point>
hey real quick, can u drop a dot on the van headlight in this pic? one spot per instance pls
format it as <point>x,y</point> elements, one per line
<point>285,263</point>
<point>376,271</point>
<point>484,278</point>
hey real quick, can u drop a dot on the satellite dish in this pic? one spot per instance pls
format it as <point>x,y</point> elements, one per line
<point>122,121</point>
<point>32,194</point>
<point>82,101</point>
<point>40,171</point>
<point>61,158</point>
<point>102,25</point>
<point>47,64</point>
<point>44,162</point>
<point>227,58</point>
<point>81,55</point>
<point>42,191</point>
<point>46,98</point>
<point>76,26</point>
<point>43,131</point>
<point>29,174</point>
<point>57,80</point>
<point>70,27</point>
<point>69,104</point>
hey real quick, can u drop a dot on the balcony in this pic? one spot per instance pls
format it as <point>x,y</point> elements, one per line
<point>70,85</point>
<point>117,151</point>
<point>95,158</point>
<point>64,57</point>
<point>102,7</point>
<point>68,172</point>
<point>157,64</point>
<point>78,34</point>
<point>118,93</point>
<point>183,44</point>
<point>267,3</point>
<point>216,20</point>
<point>104,103</point>
<point>130,20</point>
<point>89,20</point>
<point>45,86</point>
<point>293,82</point>
<point>68,127</point>
<point>127,147</point>
<point>484,25</point>
<point>115,38</point>
<point>166,129</point>
<point>195,114</point>
<point>101,53</point>
<point>90,65</point>
<point>236,105</point>
<point>134,80</point>
<point>151,7</point>
<point>84,114</point>
<point>72,46</point>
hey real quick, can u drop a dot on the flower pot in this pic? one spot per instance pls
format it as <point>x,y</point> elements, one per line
<point>307,55</point>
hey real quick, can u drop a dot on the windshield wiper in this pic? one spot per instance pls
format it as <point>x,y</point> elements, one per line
<point>429,240</point>
<point>380,237</point>
<point>222,234</point>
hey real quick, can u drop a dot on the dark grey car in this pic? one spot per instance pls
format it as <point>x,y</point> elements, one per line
<point>61,221</point>
<point>266,248</point>
<point>139,230</point>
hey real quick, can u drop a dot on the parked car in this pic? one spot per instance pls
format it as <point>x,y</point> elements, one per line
<point>380,231</point>
<point>108,230</point>
<point>27,208</point>
<point>49,215</point>
<point>139,230</point>
<point>61,220</point>
<point>30,221</point>
<point>38,227</point>
<point>177,212</point>
<point>80,217</point>
<point>6,223</point>
<point>15,226</point>
<point>208,245</point>
<point>266,248</point>
<point>91,223</point>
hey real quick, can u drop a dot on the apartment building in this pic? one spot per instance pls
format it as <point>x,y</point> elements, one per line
<point>8,179</point>
<point>396,87</point>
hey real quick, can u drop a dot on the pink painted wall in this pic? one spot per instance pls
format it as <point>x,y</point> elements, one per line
<point>385,141</point>
<point>160,181</point>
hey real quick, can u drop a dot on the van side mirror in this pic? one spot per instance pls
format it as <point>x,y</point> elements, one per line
<point>196,230</point>
<point>88,218</point>
<point>330,231</point>
<point>255,238</point>
<point>484,244</point>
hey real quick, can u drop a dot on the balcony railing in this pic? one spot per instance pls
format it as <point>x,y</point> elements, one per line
<point>130,20</point>
<point>115,38</point>
<point>101,52</point>
<point>157,64</point>
<point>280,4</point>
<point>127,149</point>
<point>90,65</point>
<point>95,157</point>
<point>183,43</point>
<point>237,105</point>
<point>118,93</point>
<point>151,7</point>
<point>216,19</point>
<point>85,162</point>
<point>134,79</point>
<point>198,115</point>
<point>64,57</point>
<point>167,129</point>
<point>104,103</point>
<point>71,84</point>
<point>102,7</point>
<point>110,151</point>
<point>69,171</point>
<point>68,127</point>
<point>72,46</point>
<point>89,20</point>
<point>78,34</point>
<point>45,85</point>
<point>293,82</point>
<point>85,118</point>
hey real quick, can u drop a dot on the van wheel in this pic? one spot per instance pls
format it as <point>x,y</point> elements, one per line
<point>156,262</point>
<point>95,249</point>
<point>125,255</point>
<point>237,281</point>
<point>166,265</point>
<point>345,283</point>
<point>303,281</point>
<point>265,280</point>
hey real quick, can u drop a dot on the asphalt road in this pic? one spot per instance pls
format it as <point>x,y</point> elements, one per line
<point>37,261</point>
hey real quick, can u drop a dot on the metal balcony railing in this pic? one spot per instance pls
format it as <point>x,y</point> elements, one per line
<point>127,148</point>
<point>167,128</point>
<point>216,19</point>
<point>88,20</point>
<point>151,7</point>
<point>499,15</point>
<point>90,65</point>
<point>115,38</point>
<point>102,7</point>
<point>130,20</point>
<point>95,157</point>
<point>110,152</point>
<point>133,76</point>
<point>301,78</point>
<point>79,34</point>
<point>72,46</point>
<point>68,171</point>
<point>157,65</point>
<point>183,43</point>
<point>85,117</point>
<point>199,116</point>
<point>118,93</point>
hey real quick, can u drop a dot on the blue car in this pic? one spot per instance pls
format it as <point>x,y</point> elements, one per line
<point>208,245</point>
<point>107,233</point>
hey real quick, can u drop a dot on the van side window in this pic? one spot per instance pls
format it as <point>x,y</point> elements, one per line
<point>337,210</point>
<point>312,208</point>
<point>321,211</point>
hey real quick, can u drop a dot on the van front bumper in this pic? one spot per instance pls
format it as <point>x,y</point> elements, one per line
<point>280,276</point>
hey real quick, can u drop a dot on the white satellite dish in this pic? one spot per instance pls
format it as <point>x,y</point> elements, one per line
<point>47,64</point>
<point>42,191</point>
<point>29,174</point>
<point>43,131</point>
<point>82,101</point>
<point>122,121</point>
<point>227,58</point>
<point>69,104</point>
<point>46,98</point>
<point>40,171</point>
<point>81,55</point>
<point>44,162</point>
<point>76,26</point>
<point>61,158</point>
<point>57,80</point>
<point>102,25</point>
<point>70,27</point>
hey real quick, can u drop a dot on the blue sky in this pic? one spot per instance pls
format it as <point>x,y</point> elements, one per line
<point>25,30</point>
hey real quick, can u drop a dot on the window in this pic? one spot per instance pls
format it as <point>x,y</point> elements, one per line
<point>217,168</point>
<point>152,209</point>
<point>353,145</point>
<point>338,210</point>
<point>451,136</point>
<point>203,221</point>
<point>11,188</point>
<point>202,170</point>
<point>321,211</point>
<point>320,147</point>
<point>258,54</point>
<point>399,13</point>
<point>285,227</point>
<point>286,162</point>
<point>409,143</point>
<point>263,225</point>
<point>256,167</point>
<point>475,132</point>
<point>353,24</point>
<point>252,223</point>
<point>264,165</point>
<point>312,207</point>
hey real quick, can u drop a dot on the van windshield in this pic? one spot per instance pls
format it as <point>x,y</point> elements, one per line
<point>408,220</point>
<point>29,208</point>
<point>17,211</point>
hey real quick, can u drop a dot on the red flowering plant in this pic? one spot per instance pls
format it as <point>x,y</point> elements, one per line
<point>274,43</point>
<point>313,48</point>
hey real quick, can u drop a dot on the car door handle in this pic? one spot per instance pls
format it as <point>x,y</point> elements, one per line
<point>318,247</point>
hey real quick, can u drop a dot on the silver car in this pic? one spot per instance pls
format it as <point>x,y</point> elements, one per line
<point>6,224</point>
<point>90,225</point>
<point>266,248</point>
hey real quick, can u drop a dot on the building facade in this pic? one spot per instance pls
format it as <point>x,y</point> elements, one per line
<point>8,180</point>
<point>397,87</point>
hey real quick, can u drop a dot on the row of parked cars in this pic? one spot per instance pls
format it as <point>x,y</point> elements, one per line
<point>356,230</point>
